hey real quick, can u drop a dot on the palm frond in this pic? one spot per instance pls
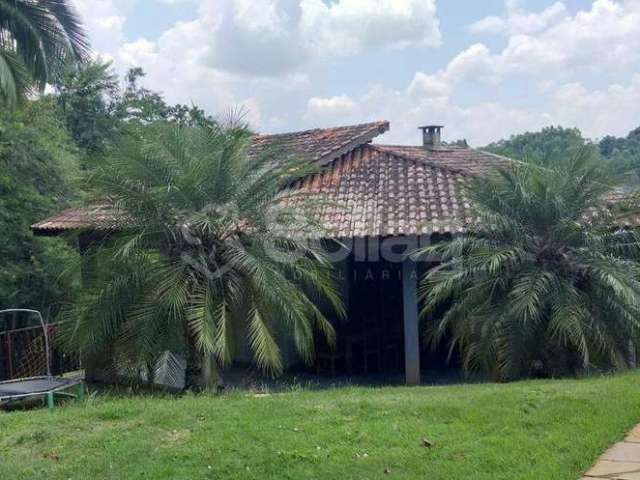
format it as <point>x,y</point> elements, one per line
<point>538,285</point>
<point>14,81</point>
<point>215,263</point>
<point>43,36</point>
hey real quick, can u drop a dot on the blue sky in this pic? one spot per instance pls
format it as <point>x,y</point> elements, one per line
<point>485,69</point>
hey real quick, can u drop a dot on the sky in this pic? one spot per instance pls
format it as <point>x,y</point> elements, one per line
<point>485,69</point>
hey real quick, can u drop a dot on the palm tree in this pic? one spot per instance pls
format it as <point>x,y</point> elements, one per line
<point>546,284</point>
<point>37,37</point>
<point>205,256</point>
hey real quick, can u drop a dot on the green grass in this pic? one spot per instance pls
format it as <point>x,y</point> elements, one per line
<point>529,430</point>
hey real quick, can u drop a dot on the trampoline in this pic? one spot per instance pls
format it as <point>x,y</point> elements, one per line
<point>45,386</point>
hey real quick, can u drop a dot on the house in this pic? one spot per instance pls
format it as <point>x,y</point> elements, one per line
<point>383,201</point>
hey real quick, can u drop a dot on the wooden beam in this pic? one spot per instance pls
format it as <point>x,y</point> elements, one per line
<point>411,331</point>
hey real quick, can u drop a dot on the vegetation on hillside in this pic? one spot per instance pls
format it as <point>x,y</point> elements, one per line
<point>38,173</point>
<point>547,145</point>
<point>553,143</point>
<point>623,152</point>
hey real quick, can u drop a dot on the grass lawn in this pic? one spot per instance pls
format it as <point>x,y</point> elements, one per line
<point>530,430</point>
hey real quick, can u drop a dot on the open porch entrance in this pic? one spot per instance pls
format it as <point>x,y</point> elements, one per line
<point>381,333</point>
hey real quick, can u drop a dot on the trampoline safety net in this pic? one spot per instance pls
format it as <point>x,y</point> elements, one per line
<point>23,351</point>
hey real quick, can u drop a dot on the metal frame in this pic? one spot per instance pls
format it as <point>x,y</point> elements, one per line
<point>48,394</point>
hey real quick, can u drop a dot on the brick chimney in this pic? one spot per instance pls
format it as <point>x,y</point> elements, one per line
<point>431,136</point>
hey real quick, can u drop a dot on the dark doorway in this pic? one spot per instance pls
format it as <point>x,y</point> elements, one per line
<point>370,339</point>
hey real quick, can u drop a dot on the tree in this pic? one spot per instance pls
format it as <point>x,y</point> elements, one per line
<point>624,153</point>
<point>37,38</point>
<point>97,110</point>
<point>547,145</point>
<point>87,96</point>
<point>140,105</point>
<point>546,284</point>
<point>202,258</point>
<point>38,163</point>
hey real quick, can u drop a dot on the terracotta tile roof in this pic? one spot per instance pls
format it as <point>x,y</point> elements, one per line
<point>321,145</point>
<point>100,217</point>
<point>380,191</point>
<point>463,160</point>
<point>365,189</point>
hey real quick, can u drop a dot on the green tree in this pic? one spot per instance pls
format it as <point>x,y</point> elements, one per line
<point>139,105</point>
<point>545,146</point>
<point>201,259</point>
<point>97,110</point>
<point>37,38</point>
<point>624,153</point>
<point>546,284</point>
<point>38,163</point>
<point>87,96</point>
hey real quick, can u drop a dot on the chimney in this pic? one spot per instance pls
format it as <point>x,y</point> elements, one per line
<point>431,136</point>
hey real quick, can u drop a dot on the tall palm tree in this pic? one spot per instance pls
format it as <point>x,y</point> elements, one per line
<point>205,257</point>
<point>546,284</point>
<point>37,37</point>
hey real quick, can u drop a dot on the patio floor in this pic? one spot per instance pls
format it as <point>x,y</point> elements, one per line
<point>620,462</point>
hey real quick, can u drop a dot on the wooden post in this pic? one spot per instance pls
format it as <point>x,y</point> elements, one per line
<point>411,332</point>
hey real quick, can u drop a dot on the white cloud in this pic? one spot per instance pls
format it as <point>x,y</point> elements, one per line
<point>104,20</point>
<point>140,52</point>
<point>491,24</point>
<point>605,37</point>
<point>250,111</point>
<point>267,63</point>
<point>480,123</point>
<point>242,41</point>
<point>517,21</point>
<point>475,62</point>
<point>287,33</point>
<point>599,112</point>
<point>332,107</point>
<point>110,23</point>
<point>424,85</point>
<point>257,53</point>
<point>349,26</point>
<point>272,37</point>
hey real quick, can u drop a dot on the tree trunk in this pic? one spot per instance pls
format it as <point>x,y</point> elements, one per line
<point>211,376</point>
<point>633,361</point>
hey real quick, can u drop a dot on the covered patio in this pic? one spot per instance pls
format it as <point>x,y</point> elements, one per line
<point>381,332</point>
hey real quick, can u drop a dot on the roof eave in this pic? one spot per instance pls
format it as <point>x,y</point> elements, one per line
<point>363,139</point>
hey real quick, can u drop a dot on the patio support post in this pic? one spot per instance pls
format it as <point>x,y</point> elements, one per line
<point>411,332</point>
